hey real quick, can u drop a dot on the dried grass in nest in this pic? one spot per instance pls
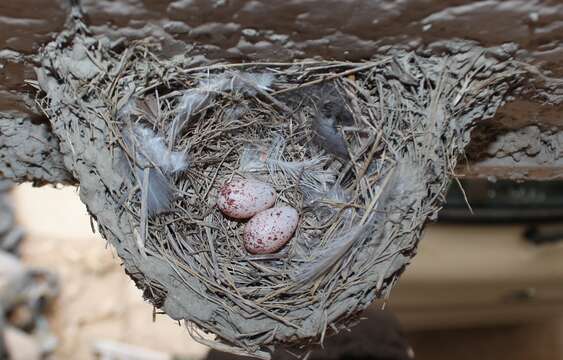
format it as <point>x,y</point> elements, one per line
<point>405,122</point>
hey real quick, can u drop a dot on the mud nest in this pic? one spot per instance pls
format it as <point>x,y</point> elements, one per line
<point>364,152</point>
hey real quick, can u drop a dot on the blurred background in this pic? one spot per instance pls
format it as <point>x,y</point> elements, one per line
<point>486,283</point>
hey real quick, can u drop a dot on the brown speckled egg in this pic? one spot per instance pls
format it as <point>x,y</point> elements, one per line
<point>244,198</point>
<point>270,230</point>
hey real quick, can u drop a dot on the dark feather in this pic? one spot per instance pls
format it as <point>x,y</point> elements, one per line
<point>332,113</point>
<point>326,133</point>
<point>327,136</point>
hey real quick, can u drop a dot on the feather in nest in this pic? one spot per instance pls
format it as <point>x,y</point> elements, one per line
<point>331,113</point>
<point>194,100</point>
<point>309,173</point>
<point>151,153</point>
<point>327,200</point>
<point>372,227</point>
<point>328,257</point>
<point>236,81</point>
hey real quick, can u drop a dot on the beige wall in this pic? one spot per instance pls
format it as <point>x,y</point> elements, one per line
<point>479,275</point>
<point>98,301</point>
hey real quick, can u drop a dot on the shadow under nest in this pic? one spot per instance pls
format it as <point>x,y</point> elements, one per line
<point>363,151</point>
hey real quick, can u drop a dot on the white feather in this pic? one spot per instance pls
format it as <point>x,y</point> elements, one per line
<point>333,193</point>
<point>152,147</point>
<point>152,153</point>
<point>191,102</point>
<point>310,172</point>
<point>259,81</point>
<point>126,110</point>
<point>195,99</point>
<point>327,200</point>
<point>249,83</point>
<point>159,191</point>
<point>127,105</point>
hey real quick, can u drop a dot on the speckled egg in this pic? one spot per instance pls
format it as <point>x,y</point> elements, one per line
<point>244,198</point>
<point>269,230</point>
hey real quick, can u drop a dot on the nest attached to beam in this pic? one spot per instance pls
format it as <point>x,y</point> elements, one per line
<point>364,152</point>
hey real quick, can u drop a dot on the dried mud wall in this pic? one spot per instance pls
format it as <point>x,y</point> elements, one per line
<point>238,30</point>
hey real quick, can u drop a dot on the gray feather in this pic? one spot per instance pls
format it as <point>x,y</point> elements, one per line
<point>310,173</point>
<point>152,153</point>
<point>160,192</point>
<point>331,113</point>
<point>249,83</point>
<point>329,256</point>
<point>193,100</point>
<point>372,228</point>
<point>327,136</point>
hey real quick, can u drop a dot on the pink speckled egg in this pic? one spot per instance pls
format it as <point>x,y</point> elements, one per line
<point>244,198</point>
<point>270,230</point>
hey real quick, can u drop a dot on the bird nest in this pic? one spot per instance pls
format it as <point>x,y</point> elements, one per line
<point>363,151</point>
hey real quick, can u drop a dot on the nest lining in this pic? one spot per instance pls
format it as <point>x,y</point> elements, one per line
<point>405,122</point>
<point>238,132</point>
